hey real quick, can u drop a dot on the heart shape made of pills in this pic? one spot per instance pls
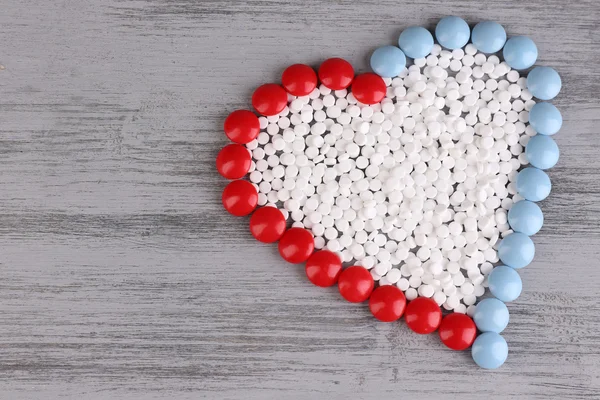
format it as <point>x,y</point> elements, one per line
<point>423,178</point>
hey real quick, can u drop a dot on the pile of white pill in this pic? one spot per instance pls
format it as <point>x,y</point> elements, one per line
<point>416,188</point>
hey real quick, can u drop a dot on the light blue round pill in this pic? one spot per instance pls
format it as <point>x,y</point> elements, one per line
<point>533,184</point>
<point>491,315</point>
<point>452,32</point>
<point>388,61</point>
<point>526,217</point>
<point>416,42</point>
<point>489,350</point>
<point>516,250</point>
<point>505,283</point>
<point>542,152</point>
<point>545,118</point>
<point>488,36</point>
<point>520,52</point>
<point>544,83</point>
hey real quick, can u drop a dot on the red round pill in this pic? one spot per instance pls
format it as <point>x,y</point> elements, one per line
<point>323,268</point>
<point>336,73</point>
<point>241,126</point>
<point>239,198</point>
<point>423,315</point>
<point>369,88</point>
<point>387,303</point>
<point>296,245</point>
<point>269,99</point>
<point>299,79</point>
<point>267,224</point>
<point>233,161</point>
<point>457,331</point>
<point>355,284</point>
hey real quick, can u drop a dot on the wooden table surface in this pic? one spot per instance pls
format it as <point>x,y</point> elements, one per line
<point>123,278</point>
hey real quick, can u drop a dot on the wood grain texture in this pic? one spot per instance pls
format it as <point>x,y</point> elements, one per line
<point>122,277</point>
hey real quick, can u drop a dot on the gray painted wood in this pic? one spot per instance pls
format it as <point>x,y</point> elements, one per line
<point>122,277</point>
